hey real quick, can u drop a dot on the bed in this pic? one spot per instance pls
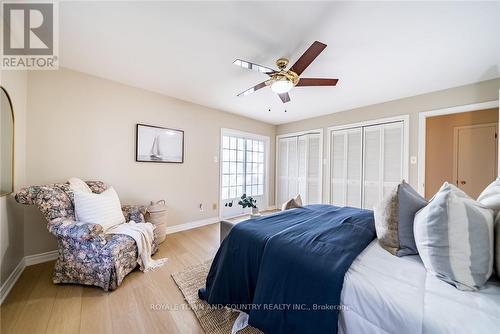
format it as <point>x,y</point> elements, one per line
<point>388,294</point>
<point>327,256</point>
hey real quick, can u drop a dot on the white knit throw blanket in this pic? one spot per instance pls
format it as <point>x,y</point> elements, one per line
<point>143,235</point>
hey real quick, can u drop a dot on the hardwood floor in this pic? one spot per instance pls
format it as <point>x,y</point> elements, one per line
<point>36,305</point>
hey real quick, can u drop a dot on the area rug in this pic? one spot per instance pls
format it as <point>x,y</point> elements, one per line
<point>213,320</point>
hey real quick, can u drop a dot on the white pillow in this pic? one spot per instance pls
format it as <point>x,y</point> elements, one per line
<point>454,237</point>
<point>497,244</point>
<point>77,184</point>
<point>490,197</point>
<point>103,209</point>
<point>292,203</point>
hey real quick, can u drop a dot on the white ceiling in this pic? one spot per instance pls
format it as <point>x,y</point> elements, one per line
<point>380,51</point>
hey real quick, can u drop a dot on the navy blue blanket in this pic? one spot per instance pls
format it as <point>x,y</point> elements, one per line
<point>286,270</point>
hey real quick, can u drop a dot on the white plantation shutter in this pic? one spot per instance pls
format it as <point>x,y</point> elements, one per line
<point>314,169</point>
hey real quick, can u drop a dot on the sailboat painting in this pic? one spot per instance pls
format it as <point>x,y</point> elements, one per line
<point>158,144</point>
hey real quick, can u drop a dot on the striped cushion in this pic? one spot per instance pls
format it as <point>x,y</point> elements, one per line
<point>454,237</point>
<point>103,209</point>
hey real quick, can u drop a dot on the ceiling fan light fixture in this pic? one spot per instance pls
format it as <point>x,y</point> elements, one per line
<point>281,86</point>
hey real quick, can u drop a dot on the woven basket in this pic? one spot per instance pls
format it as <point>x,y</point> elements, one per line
<point>156,214</point>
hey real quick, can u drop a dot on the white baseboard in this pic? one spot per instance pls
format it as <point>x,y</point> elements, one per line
<point>18,270</point>
<point>200,223</point>
<point>11,280</point>
<point>52,255</point>
<point>40,258</point>
<point>191,225</point>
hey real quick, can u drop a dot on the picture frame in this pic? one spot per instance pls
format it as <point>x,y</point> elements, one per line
<point>158,144</point>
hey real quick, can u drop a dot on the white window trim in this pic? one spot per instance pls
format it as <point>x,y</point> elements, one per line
<point>296,134</point>
<point>422,119</point>
<point>238,133</point>
<point>406,144</point>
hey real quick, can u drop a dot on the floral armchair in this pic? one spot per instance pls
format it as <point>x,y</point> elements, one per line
<point>86,255</point>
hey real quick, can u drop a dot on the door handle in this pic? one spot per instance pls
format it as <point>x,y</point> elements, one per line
<point>463,182</point>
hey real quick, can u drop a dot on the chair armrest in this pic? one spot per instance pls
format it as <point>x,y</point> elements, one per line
<point>70,229</point>
<point>134,212</point>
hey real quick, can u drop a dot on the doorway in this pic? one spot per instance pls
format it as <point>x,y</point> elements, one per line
<point>244,164</point>
<point>461,149</point>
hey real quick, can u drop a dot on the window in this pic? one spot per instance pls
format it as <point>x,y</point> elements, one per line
<point>242,167</point>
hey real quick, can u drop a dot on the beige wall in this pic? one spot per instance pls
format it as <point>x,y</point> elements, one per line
<point>84,126</point>
<point>11,213</point>
<point>474,93</point>
<point>439,145</point>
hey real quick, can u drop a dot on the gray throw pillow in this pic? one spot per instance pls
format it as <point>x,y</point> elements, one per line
<point>394,220</point>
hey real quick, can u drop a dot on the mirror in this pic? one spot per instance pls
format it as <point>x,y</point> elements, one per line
<point>6,144</point>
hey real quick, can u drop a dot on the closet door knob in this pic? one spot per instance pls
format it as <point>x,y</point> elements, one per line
<point>463,182</point>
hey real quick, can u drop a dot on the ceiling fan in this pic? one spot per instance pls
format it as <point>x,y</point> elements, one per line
<point>282,81</point>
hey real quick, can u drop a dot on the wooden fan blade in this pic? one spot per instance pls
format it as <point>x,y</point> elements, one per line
<point>284,97</point>
<point>308,57</point>
<point>253,67</point>
<point>253,89</point>
<point>317,82</point>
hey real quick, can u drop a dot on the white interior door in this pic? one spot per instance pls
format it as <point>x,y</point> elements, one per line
<point>476,159</point>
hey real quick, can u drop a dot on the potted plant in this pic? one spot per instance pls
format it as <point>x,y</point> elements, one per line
<point>249,202</point>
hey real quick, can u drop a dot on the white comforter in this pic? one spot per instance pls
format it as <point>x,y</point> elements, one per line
<point>387,294</point>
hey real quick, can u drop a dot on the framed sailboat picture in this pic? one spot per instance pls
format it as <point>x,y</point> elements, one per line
<point>158,144</point>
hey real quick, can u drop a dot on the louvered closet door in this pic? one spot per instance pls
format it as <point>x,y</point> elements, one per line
<point>299,168</point>
<point>346,167</point>
<point>353,170</point>
<point>314,169</point>
<point>338,142</point>
<point>393,156</point>
<point>383,161</point>
<point>282,171</point>
<point>302,166</point>
<point>293,168</point>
